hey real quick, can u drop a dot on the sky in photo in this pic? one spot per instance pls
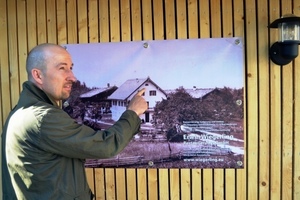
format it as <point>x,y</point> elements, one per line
<point>204,63</point>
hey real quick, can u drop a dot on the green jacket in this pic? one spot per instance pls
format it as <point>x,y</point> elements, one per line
<point>43,149</point>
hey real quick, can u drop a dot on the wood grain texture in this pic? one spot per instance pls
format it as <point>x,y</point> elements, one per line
<point>272,92</point>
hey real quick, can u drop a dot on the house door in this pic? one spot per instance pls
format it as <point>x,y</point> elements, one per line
<point>147,117</point>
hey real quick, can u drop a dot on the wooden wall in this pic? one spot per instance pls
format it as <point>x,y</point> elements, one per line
<point>272,111</point>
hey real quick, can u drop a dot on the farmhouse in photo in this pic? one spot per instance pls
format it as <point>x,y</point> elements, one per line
<point>122,96</point>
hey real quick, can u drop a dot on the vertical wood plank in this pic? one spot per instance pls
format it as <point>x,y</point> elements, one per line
<point>230,183</point>
<point>275,112</point>
<point>152,184</point>
<point>227,18</point>
<point>264,99</point>
<point>142,184</point>
<point>181,17</point>
<point>193,32</point>
<point>136,19</point>
<point>180,178</point>
<point>218,184</point>
<point>296,159</point>
<point>134,177</point>
<point>90,178</point>
<point>83,23</point>
<point>240,184</point>
<point>196,184</point>
<point>216,32</point>
<point>287,121</point>
<point>204,13</point>
<point>41,21</point>
<point>147,20</point>
<point>99,183</point>
<point>239,18</point>
<point>207,188</point>
<point>296,131</point>
<point>131,184</point>
<point>5,103</point>
<point>252,100</point>
<point>125,36</point>
<point>170,19</point>
<point>13,52</point>
<point>51,21</point>
<point>72,22</point>
<point>104,21</point>
<point>174,184</point>
<point>125,20</point>
<point>4,72</point>
<point>110,186</point>
<point>287,132</point>
<point>120,183</point>
<point>192,8</point>
<point>163,184</point>
<point>204,20</point>
<point>22,41</point>
<point>153,174</point>
<point>158,20</point>
<point>215,15</point>
<point>31,24</point>
<point>228,31</point>
<point>61,22</point>
<point>185,184</point>
<point>137,34</point>
<point>93,21</point>
<point>114,19</point>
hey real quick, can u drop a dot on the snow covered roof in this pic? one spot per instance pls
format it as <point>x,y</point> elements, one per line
<point>128,88</point>
<point>199,92</point>
<point>95,92</point>
<point>195,92</point>
<point>131,86</point>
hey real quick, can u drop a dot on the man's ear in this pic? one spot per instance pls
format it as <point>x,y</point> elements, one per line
<point>37,75</point>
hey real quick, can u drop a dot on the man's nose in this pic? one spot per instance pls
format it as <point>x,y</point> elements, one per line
<point>71,77</point>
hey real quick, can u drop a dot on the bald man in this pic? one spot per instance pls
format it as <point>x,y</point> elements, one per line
<point>43,149</point>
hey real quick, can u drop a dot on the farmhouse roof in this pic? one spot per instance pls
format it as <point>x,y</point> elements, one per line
<point>195,92</point>
<point>95,92</point>
<point>131,86</point>
<point>199,92</point>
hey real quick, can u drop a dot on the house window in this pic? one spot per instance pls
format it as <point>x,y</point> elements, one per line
<point>152,93</point>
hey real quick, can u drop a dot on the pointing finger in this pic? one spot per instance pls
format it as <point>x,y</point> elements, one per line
<point>141,92</point>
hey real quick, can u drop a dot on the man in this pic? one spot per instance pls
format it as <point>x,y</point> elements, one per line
<point>43,149</point>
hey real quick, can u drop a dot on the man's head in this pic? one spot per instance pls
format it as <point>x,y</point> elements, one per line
<point>49,67</point>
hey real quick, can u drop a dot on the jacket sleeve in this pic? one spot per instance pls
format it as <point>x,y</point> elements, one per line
<point>63,136</point>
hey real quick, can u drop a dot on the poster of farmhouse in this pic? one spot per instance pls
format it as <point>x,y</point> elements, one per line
<point>195,96</point>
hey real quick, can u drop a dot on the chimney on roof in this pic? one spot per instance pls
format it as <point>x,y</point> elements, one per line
<point>108,85</point>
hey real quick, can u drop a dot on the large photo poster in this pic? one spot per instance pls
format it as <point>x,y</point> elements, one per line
<point>195,95</point>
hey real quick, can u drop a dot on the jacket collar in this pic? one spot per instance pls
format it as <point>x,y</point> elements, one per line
<point>31,92</point>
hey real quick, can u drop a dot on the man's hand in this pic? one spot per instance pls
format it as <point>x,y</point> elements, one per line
<point>138,103</point>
